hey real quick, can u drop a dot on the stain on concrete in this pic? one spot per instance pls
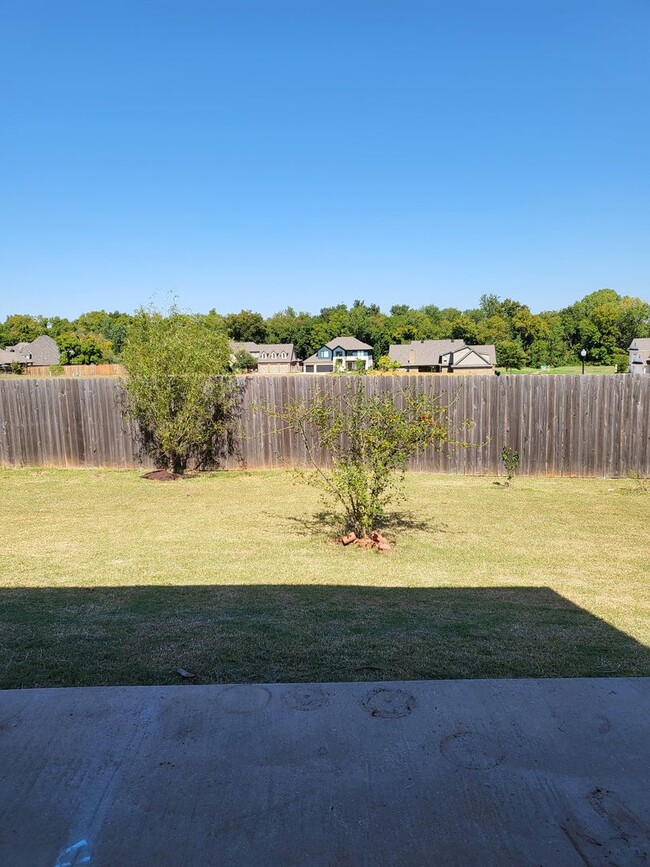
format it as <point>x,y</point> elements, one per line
<point>306,698</point>
<point>615,836</point>
<point>386,703</point>
<point>604,725</point>
<point>609,806</point>
<point>472,750</point>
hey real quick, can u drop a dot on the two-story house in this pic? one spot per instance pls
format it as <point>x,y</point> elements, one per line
<point>342,353</point>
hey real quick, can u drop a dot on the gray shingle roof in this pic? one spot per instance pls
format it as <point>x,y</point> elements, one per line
<point>423,353</point>
<point>263,351</point>
<point>43,351</point>
<point>266,351</point>
<point>642,343</point>
<point>427,353</point>
<point>246,345</point>
<point>487,349</point>
<point>347,343</point>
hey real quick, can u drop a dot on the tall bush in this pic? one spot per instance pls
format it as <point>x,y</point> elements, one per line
<point>178,388</point>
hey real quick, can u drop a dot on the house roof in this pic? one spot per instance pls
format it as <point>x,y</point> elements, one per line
<point>266,350</point>
<point>423,353</point>
<point>642,343</point>
<point>263,351</point>
<point>246,345</point>
<point>347,343</point>
<point>487,349</point>
<point>7,357</point>
<point>427,353</point>
<point>43,351</point>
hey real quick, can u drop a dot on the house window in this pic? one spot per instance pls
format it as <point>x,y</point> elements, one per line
<point>324,353</point>
<point>273,355</point>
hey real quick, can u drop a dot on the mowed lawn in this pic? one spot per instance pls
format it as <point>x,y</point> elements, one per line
<point>106,578</point>
<point>567,369</point>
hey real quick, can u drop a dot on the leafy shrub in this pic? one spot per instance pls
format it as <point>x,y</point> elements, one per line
<point>368,439</point>
<point>244,361</point>
<point>510,460</point>
<point>622,360</point>
<point>177,388</point>
<point>387,364</point>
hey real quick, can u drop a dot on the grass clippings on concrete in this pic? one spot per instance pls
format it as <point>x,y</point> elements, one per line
<point>107,578</point>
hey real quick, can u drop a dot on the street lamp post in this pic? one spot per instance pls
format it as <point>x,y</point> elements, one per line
<point>583,355</point>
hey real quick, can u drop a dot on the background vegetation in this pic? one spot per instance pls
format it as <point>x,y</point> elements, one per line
<point>604,323</point>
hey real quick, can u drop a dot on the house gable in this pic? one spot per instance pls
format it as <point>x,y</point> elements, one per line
<point>469,358</point>
<point>639,351</point>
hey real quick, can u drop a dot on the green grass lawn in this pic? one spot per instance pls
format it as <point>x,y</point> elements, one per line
<point>106,578</point>
<point>572,369</point>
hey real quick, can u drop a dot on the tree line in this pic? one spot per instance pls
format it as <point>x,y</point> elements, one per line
<point>603,323</point>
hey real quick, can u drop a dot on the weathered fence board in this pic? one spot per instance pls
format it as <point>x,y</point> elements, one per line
<point>77,370</point>
<point>560,425</point>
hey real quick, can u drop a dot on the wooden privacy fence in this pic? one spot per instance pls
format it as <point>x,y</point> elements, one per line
<point>560,425</point>
<point>76,370</point>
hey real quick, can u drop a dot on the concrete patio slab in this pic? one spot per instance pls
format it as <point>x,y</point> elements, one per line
<point>509,772</point>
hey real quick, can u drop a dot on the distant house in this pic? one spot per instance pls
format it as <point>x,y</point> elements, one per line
<point>270,357</point>
<point>444,356</point>
<point>41,352</point>
<point>342,353</point>
<point>639,351</point>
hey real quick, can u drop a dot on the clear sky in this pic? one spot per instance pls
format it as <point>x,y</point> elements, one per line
<point>265,153</point>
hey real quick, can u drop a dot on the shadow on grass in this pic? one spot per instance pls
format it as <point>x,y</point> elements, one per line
<point>330,524</point>
<point>275,633</point>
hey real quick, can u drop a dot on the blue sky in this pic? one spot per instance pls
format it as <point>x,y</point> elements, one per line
<point>287,152</point>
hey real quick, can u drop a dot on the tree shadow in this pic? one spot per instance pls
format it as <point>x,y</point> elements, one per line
<point>302,633</point>
<point>329,524</point>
